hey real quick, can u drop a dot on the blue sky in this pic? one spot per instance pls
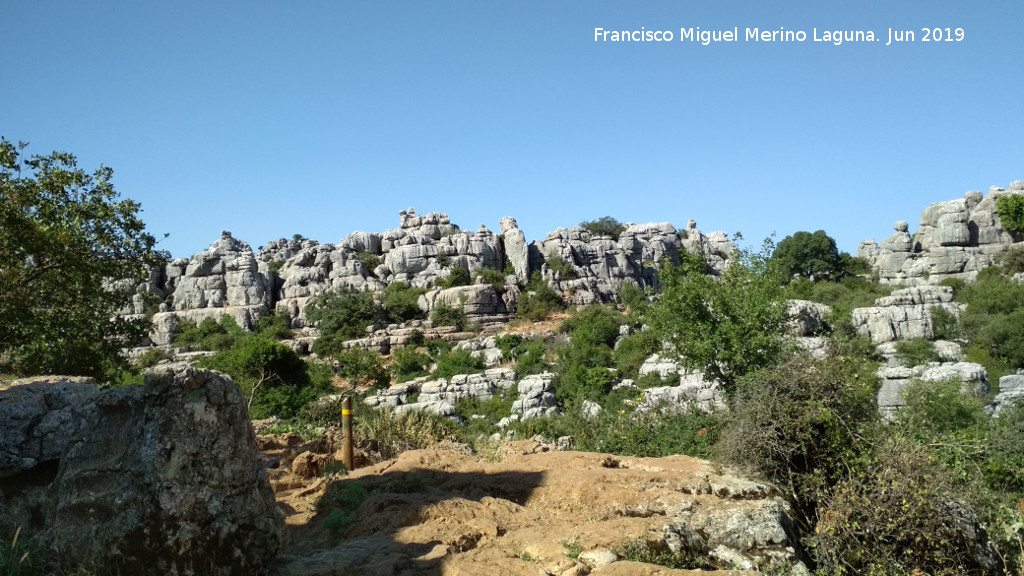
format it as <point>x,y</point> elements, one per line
<point>326,117</point>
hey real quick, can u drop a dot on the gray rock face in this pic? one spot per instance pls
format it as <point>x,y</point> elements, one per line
<point>1011,392</point>
<point>536,397</point>
<point>167,477</point>
<point>225,279</point>
<point>163,477</point>
<point>905,314</point>
<point>38,418</point>
<point>806,318</point>
<point>955,239</point>
<point>516,249</point>
<point>891,396</point>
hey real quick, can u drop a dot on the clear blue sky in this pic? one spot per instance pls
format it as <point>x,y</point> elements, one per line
<point>325,117</point>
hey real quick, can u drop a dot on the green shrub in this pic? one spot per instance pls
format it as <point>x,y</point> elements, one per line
<point>363,368</point>
<point>604,226</point>
<point>400,302</point>
<point>407,363</point>
<point>946,325</point>
<point>582,374</point>
<point>806,255</point>
<point>458,361</point>
<point>539,300</point>
<point>445,315</point>
<point>457,276</point>
<point>1003,336</point>
<point>800,423</point>
<point>1004,466</point>
<point>1012,260</point>
<point>657,553</point>
<point>632,350</point>
<point>563,270</point>
<point>495,278</point>
<point>341,502</point>
<point>633,297</point>
<point>594,325</point>
<point>654,434</point>
<point>411,431</point>
<point>370,261</point>
<point>339,316</point>
<point>916,352</point>
<point>274,327</point>
<point>209,334</point>
<point>273,378</point>
<point>898,516</point>
<point>152,357</point>
<point>1011,212</point>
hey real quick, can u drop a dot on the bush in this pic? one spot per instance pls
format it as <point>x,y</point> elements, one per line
<point>273,378</point>
<point>407,363</point>
<point>457,276</point>
<point>208,334</point>
<point>339,316</point>
<point>458,361</point>
<point>582,374</point>
<point>633,350</point>
<point>594,325</point>
<point>945,324</point>
<point>653,434</point>
<point>1011,212</point>
<point>445,315</point>
<point>1012,260</point>
<point>916,352</point>
<point>897,516</point>
<point>341,502</point>
<point>400,303</point>
<point>633,297</point>
<point>563,270</point>
<point>539,300</point>
<point>152,357</point>
<point>605,226</point>
<point>495,278</point>
<point>363,368</point>
<point>370,261</point>
<point>800,423</point>
<point>411,431</point>
<point>274,327</point>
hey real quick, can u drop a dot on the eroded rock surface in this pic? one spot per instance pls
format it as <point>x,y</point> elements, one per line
<point>450,513</point>
<point>955,239</point>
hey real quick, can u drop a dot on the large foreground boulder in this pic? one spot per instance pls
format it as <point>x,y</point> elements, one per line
<point>162,478</point>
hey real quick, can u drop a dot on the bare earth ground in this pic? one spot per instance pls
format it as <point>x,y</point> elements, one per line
<point>447,512</point>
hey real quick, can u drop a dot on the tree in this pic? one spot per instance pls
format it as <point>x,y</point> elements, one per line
<point>1011,212</point>
<point>71,256</point>
<point>604,226</point>
<point>724,327</point>
<point>810,256</point>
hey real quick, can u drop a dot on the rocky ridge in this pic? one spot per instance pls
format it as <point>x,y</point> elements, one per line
<point>955,239</point>
<point>230,279</point>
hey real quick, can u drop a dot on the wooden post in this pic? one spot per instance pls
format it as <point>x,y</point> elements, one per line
<point>346,429</point>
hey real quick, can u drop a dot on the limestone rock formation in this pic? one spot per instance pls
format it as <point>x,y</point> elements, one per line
<point>38,418</point>
<point>225,279</point>
<point>955,239</point>
<point>891,396</point>
<point>905,314</point>
<point>163,477</point>
<point>1011,391</point>
<point>167,477</point>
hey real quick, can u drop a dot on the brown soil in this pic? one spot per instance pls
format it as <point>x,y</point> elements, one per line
<point>448,512</point>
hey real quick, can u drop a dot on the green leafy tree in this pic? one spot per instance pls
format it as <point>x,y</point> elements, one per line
<point>339,316</point>
<point>810,256</point>
<point>71,256</point>
<point>1011,212</point>
<point>605,226</point>
<point>724,327</point>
